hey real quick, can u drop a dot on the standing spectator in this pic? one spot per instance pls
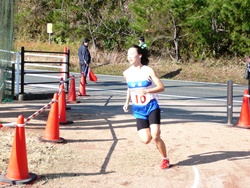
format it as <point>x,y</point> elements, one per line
<point>143,86</point>
<point>142,43</point>
<point>84,57</point>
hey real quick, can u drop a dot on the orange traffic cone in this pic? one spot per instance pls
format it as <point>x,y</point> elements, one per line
<point>92,76</point>
<point>51,133</point>
<point>244,120</point>
<point>18,167</point>
<point>82,88</point>
<point>72,92</point>
<point>62,107</point>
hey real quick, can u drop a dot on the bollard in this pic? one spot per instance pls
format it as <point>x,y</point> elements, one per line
<point>230,102</point>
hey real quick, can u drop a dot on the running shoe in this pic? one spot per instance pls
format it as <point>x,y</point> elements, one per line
<point>165,164</point>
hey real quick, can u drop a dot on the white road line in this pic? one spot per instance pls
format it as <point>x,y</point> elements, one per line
<point>173,96</point>
<point>203,98</point>
<point>44,86</point>
<point>196,177</point>
<point>45,76</point>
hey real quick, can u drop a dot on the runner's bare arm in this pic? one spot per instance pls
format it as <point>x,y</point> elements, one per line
<point>125,107</point>
<point>159,87</point>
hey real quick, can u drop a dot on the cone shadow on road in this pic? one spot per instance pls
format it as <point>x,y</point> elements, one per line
<point>47,177</point>
<point>88,140</point>
<point>104,164</point>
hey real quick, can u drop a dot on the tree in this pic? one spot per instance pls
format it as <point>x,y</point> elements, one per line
<point>104,21</point>
<point>180,29</point>
<point>160,21</point>
<point>218,28</point>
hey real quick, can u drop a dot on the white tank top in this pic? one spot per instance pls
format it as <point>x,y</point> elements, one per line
<point>140,80</point>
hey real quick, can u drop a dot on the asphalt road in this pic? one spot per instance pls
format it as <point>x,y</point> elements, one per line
<point>116,84</point>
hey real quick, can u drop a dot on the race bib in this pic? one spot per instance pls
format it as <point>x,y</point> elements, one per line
<point>139,99</point>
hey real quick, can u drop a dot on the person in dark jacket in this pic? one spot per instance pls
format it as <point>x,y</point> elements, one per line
<point>84,57</point>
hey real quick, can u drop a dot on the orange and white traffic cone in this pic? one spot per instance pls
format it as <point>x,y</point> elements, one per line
<point>82,88</point>
<point>244,120</point>
<point>51,133</point>
<point>72,92</point>
<point>62,107</point>
<point>92,76</point>
<point>17,172</point>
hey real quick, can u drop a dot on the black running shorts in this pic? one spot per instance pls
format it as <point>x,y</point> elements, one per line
<point>153,118</point>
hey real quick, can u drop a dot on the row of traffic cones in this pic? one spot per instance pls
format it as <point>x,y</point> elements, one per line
<point>82,87</point>
<point>72,90</point>
<point>17,172</point>
<point>57,116</point>
<point>57,113</point>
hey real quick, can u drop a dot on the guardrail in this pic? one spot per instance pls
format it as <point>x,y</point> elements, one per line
<point>63,65</point>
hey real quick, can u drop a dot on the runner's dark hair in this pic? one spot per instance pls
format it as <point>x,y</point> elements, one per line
<point>143,52</point>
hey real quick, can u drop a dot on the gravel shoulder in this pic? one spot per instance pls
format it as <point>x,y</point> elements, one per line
<point>102,148</point>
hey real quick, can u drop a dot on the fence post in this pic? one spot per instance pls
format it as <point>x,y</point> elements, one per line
<point>17,73</point>
<point>22,70</point>
<point>229,102</point>
<point>13,81</point>
<point>68,57</point>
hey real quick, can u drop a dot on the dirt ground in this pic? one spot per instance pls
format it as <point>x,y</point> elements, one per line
<point>102,148</point>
